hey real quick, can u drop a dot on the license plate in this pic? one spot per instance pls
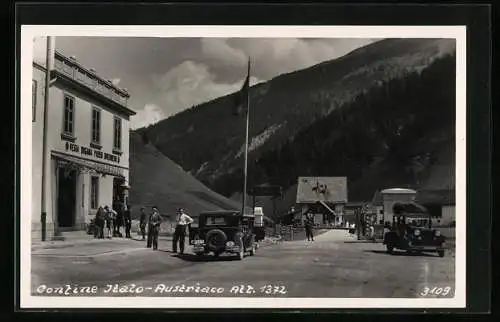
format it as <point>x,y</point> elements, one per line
<point>198,242</point>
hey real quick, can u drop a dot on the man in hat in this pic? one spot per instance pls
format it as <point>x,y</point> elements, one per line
<point>142,223</point>
<point>309,226</point>
<point>128,221</point>
<point>155,227</point>
<point>182,222</point>
<point>150,232</point>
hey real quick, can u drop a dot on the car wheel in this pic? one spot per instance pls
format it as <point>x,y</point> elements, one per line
<point>441,253</point>
<point>390,249</point>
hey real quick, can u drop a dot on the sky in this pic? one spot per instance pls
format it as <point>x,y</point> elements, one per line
<point>167,75</point>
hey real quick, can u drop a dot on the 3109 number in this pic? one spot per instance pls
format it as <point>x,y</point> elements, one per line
<point>435,291</point>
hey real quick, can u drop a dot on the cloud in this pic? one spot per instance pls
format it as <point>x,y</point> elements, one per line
<point>165,75</point>
<point>219,51</point>
<point>274,56</point>
<point>150,114</point>
<point>191,83</point>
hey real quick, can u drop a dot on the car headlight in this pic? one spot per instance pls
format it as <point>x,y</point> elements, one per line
<point>438,233</point>
<point>416,232</point>
<point>230,244</point>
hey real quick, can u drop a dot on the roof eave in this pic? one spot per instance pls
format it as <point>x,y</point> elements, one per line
<point>120,108</point>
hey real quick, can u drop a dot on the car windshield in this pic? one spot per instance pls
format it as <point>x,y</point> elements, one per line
<point>221,220</point>
<point>418,222</point>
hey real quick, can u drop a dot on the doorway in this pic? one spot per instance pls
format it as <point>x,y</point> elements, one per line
<point>117,189</point>
<point>66,198</point>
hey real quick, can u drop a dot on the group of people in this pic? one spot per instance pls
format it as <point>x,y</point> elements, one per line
<point>108,221</point>
<point>152,223</point>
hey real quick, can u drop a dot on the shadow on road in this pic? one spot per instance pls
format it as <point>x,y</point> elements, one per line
<point>401,253</point>
<point>205,258</point>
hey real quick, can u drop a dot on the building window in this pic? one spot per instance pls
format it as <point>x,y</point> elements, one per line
<point>69,116</point>
<point>117,140</point>
<point>33,100</point>
<point>96,126</point>
<point>94,192</point>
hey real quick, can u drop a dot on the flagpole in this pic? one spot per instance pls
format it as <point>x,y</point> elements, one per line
<point>246,144</point>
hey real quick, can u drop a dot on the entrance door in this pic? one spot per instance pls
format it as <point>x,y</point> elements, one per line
<point>117,189</point>
<point>66,199</point>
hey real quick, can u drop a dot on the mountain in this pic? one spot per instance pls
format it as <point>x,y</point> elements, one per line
<point>399,134</point>
<point>327,112</point>
<point>157,180</point>
<point>207,140</point>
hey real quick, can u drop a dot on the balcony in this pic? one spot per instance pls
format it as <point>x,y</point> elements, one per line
<point>87,78</point>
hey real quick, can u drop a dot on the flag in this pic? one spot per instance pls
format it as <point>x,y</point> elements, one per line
<point>241,97</point>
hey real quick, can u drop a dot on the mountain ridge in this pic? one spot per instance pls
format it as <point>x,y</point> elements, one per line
<point>207,140</point>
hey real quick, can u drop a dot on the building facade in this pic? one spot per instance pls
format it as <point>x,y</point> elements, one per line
<point>391,196</point>
<point>87,153</point>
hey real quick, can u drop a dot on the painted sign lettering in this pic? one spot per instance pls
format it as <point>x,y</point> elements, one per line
<point>72,147</point>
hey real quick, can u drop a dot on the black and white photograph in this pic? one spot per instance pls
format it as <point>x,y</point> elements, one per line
<point>243,166</point>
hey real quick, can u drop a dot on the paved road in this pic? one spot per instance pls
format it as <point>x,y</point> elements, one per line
<point>327,267</point>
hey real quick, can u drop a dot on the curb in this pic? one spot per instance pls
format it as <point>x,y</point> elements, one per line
<point>362,241</point>
<point>68,244</point>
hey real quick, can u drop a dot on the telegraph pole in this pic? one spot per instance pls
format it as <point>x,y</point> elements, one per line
<point>45,159</point>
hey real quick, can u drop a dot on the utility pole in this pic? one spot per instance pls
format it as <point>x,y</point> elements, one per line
<point>45,159</point>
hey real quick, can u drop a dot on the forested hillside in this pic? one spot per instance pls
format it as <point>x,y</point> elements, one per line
<point>401,133</point>
<point>207,140</point>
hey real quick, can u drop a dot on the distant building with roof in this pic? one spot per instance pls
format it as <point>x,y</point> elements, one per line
<point>325,197</point>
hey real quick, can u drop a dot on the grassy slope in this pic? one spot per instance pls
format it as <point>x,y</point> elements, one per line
<point>156,180</point>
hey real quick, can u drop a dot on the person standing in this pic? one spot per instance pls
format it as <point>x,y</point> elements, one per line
<point>142,223</point>
<point>155,227</point>
<point>309,224</point>
<point>182,221</point>
<point>99,222</point>
<point>120,213</point>
<point>109,221</point>
<point>150,232</point>
<point>128,222</point>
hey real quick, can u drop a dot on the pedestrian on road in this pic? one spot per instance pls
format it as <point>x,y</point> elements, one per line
<point>309,224</point>
<point>120,212</point>
<point>128,222</point>
<point>182,222</point>
<point>142,223</point>
<point>100,218</point>
<point>155,226</point>
<point>372,233</point>
<point>150,232</point>
<point>109,221</point>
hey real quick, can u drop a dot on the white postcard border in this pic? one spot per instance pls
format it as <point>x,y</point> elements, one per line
<point>28,32</point>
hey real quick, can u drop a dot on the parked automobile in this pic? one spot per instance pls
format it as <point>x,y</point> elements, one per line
<point>224,232</point>
<point>412,231</point>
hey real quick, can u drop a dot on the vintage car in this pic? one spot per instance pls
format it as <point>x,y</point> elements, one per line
<point>224,231</point>
<point>412,231</point>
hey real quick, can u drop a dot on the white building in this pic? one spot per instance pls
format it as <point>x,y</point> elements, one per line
<point>87,145</point>
<point>391,196</point>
